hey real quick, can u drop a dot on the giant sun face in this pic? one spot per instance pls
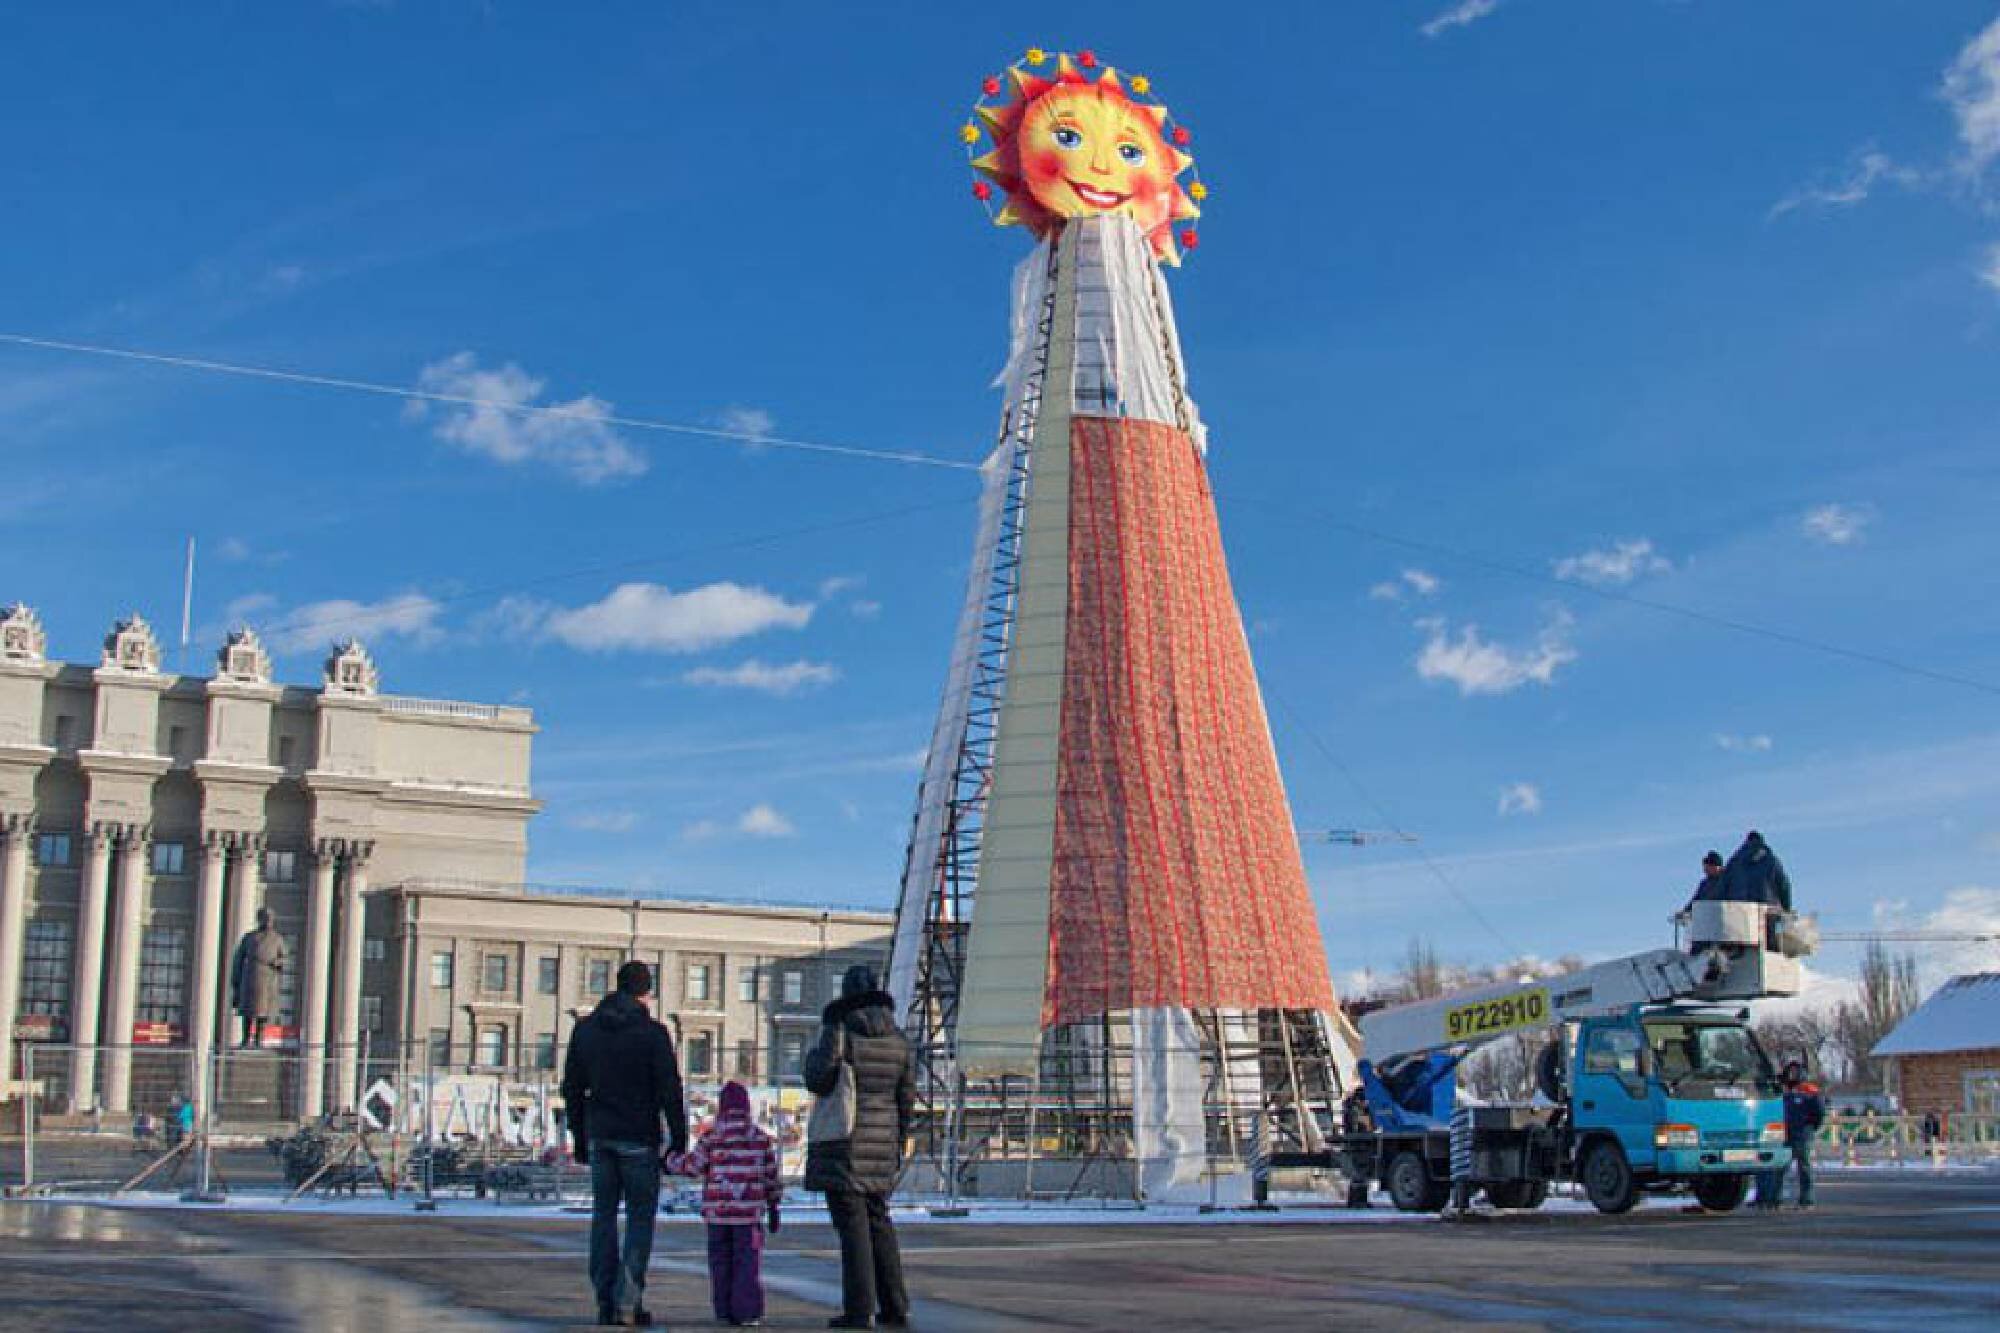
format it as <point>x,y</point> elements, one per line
<point>1075,147</point>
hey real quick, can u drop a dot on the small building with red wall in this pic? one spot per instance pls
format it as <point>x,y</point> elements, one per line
<point>1947,1052</point>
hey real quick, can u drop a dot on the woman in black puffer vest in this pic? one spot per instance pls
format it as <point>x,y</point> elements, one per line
<point>857,1174</point>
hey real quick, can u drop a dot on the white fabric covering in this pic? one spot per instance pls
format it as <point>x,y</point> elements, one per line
<point>1169,1141</point>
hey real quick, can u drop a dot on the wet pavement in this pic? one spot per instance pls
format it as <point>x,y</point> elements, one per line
<point>1878,1254</point>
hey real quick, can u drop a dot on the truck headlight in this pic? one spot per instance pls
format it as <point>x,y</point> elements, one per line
<point>1774,1132</point>
<point>1676,1136</point>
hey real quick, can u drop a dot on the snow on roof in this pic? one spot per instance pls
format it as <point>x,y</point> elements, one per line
<point>1963,1015</point>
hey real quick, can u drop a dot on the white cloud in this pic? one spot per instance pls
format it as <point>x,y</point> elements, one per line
<point>1479,666</point>
<point>1971,910</point>
<point>761,820</point>
<point>605,821</point>
<point>863,609</point>
<point>1619,564</point>
<point>505,423</point>
<point>1972,87</point>
<point>747,420</point>
<point>242,610</point>
<point>650,617</point>
<point>318,625</point>
<point>788,679</point>
<point>1758,744</point>
<point>1458,16</point>
<point>1989,267</point>
<point>1867,169</point>
<point>1836,524</point>
<point>232,549</point>
<point>838,584</point>
<point>1417,582</point>
<point>1520,798</point>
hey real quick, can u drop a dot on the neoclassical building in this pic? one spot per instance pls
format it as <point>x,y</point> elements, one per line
<point>147,816</point>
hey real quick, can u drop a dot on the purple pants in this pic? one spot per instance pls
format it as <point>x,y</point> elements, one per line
<point>733,1280</point>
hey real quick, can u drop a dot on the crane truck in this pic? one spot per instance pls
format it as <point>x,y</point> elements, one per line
<point>1652,1080</point>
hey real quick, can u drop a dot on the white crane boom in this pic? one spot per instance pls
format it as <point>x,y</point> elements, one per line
<point>1731,960</point>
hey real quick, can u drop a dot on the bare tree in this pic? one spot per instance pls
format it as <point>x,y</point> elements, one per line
<point>1422,976</point>
<point>1888,993</point>
<point>1807,1036</point>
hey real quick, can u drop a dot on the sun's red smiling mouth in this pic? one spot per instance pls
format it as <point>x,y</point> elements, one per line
<point>1094,197</point>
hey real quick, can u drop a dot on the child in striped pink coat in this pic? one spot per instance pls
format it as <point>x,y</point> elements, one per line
<point>738,1166</point>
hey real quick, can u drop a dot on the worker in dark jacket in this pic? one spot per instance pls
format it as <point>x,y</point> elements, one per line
<point>857,1174</point>
<point>1712,883</point>
<point>622,1092</point>
<point>1755,875</point>
<point>1805,1112</point>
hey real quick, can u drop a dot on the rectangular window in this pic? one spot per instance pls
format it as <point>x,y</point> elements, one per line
<point>371,1013</point>
<point>597,976</point>
<point>169,858</point>
<point>701,1054</point>
<point>281,867</point>
<point>697,983</point>
<point>163,956</point>
<point>746,1058</point>
<point>52,850</point>
<point>545,1051</point>
<point>791,1053</point>
<point>284,752</point>
<point>440,1047</point>
<point>492,1047</point>
<point>374,949</point>
<point>65,736</point>
<point>493,973</point>
<point>795,986</point>
<point>177,738</point>
<point>45,969</point>
<point>441,970</point>
<point>746,984</point>
<point>548,978</point>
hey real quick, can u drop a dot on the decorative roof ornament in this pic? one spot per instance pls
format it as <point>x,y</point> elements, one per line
<point>132,646</point>
<point>243,658</point>
<point>350,670</point>
<point>1082,144</point>
<point>22,638</point>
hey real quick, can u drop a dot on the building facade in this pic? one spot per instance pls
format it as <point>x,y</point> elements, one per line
<point>148,816</point>
<point>1947,1052</point>
<point>492,976</point>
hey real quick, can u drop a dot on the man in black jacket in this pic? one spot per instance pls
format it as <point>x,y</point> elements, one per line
<point>620,1085</point>
<point>858,1173</point>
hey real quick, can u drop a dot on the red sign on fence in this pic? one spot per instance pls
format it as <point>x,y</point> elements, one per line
<point>157,1034</point>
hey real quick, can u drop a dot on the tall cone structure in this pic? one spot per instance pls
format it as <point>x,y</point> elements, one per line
<point>1105,945</point>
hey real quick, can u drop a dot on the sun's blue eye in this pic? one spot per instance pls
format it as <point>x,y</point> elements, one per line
<point>1066,137</point>
<point>1132,153</point>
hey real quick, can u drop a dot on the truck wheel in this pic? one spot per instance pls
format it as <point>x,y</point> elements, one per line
<point>1524,1194</point>
<point>1607,1178</point>
<point>1411,1188</point>
<point>1721,1194</point>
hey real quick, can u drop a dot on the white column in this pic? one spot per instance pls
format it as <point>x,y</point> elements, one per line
<point>127,925</point>
<point>315,959</point>
<point>13,924</point>
<point>88,960</point>
<point>210,964</point>
<point>353,930</point>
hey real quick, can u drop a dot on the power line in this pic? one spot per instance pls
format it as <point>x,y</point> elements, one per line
<point>463,400</point>
<point>1631,599</point>
<point>1394,827</point>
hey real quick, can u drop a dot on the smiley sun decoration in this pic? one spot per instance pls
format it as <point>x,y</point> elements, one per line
<point>1076,146</point>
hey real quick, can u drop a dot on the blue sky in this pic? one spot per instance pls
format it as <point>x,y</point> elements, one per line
<point>1690,301</point>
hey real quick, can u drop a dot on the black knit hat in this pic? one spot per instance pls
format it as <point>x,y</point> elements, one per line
<point>858,980</point>
<point>1714,858</point>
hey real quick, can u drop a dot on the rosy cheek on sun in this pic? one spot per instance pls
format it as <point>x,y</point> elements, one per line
<point>1042,165</point>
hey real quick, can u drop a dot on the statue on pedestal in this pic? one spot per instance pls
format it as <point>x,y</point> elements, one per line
<point>254,973</point>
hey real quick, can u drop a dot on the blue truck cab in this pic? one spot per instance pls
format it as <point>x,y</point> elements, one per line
<point>1665,1095</point>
